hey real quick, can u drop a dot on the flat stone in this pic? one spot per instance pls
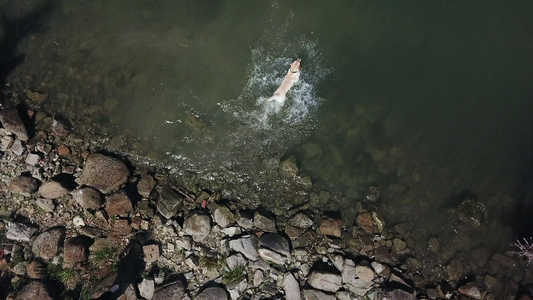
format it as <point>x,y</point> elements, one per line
<point>77,221</point>
<point>20,232</point>
<point>151,253</point>
<point>236,288</point>
<point>47,243</point>
<point>76,250</point>
<point>169,202</point>
<point>146,288</point>
<point>17,148</point>
<point>107,174</point>
<point>12,122</point>
<point>45,204</point>
<point>275,242</point>
<point>32,159</point>
<point>246,245</point>
<point>34,290</point>
<point>88,197</point>
<point>301,220</point>
<point>263,222</point>
<point>272,256</point>
<point>198,226</point>
<point>212,293</point>
<point>171,291</point>
<point>317,295</point>
<point>63,150</point>
<point>52,190</point>
<point>358,279</point>
<point>24,185</point>
<point>291,288</point>
<point>146,185</point>
<point>331,227</point>
<point>325,281</point>
<point>223,216</point>
<point>118,204</point>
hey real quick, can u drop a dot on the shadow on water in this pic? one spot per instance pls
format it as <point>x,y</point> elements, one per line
<point>17,20</point>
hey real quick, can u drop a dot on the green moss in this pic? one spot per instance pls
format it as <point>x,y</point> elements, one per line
<point>234,274</point>
<point>472,211</point>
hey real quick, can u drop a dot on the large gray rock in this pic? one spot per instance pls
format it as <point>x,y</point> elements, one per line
<point>47,243</point>
<point>246,245</point>
<point>358,279</point>
<point>20,232</point>
<point>223,216</point>
<point>118,204</point>
<point>52,190</point>
<point>12,122</point>
<point>107,174</point>
<point>264,222</point>
<point>146,185</point>
<point>325,281</point>
<point>212,293</point>
<point>169,202</point>
<point>88,197</point>
<point>172,291</point>
<point>24,185</point>
<point>33,290</point>
<point>291,288</point>
<point>198,226</point>
<point>275,242</point>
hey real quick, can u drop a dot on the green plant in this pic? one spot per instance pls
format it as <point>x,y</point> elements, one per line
<point>103,254</point>
<point>67,275</point>
<point>234,274</point>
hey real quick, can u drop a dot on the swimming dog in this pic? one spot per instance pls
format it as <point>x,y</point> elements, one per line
<point>293,74</point>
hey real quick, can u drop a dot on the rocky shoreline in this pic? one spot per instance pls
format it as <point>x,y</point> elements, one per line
<point>81,223</point>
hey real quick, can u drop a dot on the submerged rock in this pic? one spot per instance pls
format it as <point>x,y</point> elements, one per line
<point>472,211</point>
<point>107,174</point>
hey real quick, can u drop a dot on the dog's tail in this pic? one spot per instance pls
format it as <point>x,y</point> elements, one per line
<point>277,98</point>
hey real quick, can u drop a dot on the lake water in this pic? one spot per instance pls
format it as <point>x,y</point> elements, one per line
<point>425,102</point>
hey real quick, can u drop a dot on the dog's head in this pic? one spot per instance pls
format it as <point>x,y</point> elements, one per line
<point>295,65</point>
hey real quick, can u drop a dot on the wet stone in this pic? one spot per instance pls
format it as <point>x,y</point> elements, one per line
<point>471,290</point>
<point>24,185</point>
<point>301,220</point>
<point>88,197</point>
<point>454,270</point>
<point>169,202</point>
<point>212,293</point>
<point>20,232</point>
<point>107,174</point>
<point>47,244</point>
<point>118,204</point>
<point>146,185</point>
<point>52,190</point>
<point>325,281</point>
<point>198,226</point>
<point>12,122</point>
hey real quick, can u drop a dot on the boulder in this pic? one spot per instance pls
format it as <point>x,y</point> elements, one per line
<point>325,281</point>
<point>247,245</point>
<point>118,204</point>
<point>52,190</point>
<point>107,174</point>
<point>47,243</point>
<point>275,242</point>
<point>291,288</point>
<point>146,185</point>
<point>264,222</point>
<point>34,290</point>
<point>332,227</point>
<point>88,197</point>
<point>171,291</point>
<point>212,293</point>
<point>20,232</point>
<point>24,185</point>
<point>76,250</point>
<point>12,122</point>
<point>198,226</point>
<point>169,202</point>
<point>223,216</point>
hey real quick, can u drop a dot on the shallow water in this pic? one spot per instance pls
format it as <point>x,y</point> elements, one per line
<point>427,101</point>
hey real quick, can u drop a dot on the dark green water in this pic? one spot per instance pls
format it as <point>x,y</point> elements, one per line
<point>426,100</point>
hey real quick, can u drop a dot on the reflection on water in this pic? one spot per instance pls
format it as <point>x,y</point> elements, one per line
<point>423,102</point>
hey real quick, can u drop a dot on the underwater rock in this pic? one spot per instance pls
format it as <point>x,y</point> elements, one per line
<point>473,212</point>
<point>288,167</point>
<point>195,122</point>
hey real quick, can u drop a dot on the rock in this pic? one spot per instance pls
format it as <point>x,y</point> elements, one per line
<point>129,293</point>
<point>472,212</point>
<point>330,226</point>
<point>325,281</point>
<point>59,128</point>
<point>34,290</point>
<point>107,174</point>
<point>246,245</point>
<point>146,185</point>
<point>151,253</point>
<point>20,232</point>
<point>92,232</point>
<point>52,190</point>
<point>36,97</point>
<point>32,159</point>
<point>78,221</point>
<point>245,219</point>
<point>118,204</point>
<point>121,227</point>
<point>258,277</point>
<point>104,285</point>
<point>171,291</point>
<point>212,293</point>
<point>17,148</point>
<point>12,122</point>
<point>396,294</point>
<point>291,287</point>
<point>47,243</point>
<point>272,256</point>
<point>20,268</point>
<point>301,220</point>
<point>275,242</point>
<point>88,197</point>
<point>472,290</point>
<point>288,167</point>
<point>235,261</point>
<point>169,202</point>
<point>454,270</point>
<point>264,222</point>
<point>365,221</point>
<point>382,254</point>
<point>317,295</point>
<point>24,185</point>
<point>76,250</point>
<point>198,226</point>
<point>223,216</point>
<point>36,270</point>
<point>358,279</point>
<point>146,288</point>
<point>45,204</point>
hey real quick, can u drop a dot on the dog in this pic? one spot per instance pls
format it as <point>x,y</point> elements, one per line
<point>293,75</point>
